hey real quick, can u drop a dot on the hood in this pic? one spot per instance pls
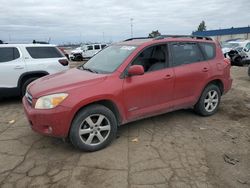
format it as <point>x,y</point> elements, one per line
<point>76,51</point>
<point>63,81</point>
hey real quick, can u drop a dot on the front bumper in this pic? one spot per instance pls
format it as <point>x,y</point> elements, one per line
<point>52,122</point>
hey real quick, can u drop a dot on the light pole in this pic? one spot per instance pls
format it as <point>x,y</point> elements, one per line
<point>131,25</point>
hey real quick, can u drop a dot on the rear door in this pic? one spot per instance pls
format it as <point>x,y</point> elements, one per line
<point>151,93</point>
<point>191,72</point>
<point>12,66</point>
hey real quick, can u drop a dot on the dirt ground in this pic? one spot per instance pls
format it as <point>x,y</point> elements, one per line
<point>178,149</point>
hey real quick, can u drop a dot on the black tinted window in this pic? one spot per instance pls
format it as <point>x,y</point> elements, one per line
<point>103,46</point>
<point>8,54</point>
<point>185,53</point>
<point>97,47</point>
<point>43,52</point>
<point>90,47</point>
<point>208,49</point>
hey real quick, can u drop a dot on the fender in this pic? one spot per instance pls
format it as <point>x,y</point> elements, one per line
<point>28,74</point>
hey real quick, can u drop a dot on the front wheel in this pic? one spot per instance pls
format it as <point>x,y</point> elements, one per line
<point>25,84</point>
<point>93,128</point>
<point>209,101</point>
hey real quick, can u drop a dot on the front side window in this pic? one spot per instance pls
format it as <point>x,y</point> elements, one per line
<point>185,53</point>
<point>44,52</point>
<point>9,54</point>
<point>152,58</point>
<point>90,48</point>
<point>248,46</point>
<point>208,49</point>
<point>109,59</point>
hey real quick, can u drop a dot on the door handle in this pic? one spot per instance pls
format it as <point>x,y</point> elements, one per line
<point>205,69</point>
<point>19,67</point>
<point>168,76</point>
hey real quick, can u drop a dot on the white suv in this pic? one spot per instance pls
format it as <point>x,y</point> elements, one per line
<point>20,64</point>
<point>86,51</point>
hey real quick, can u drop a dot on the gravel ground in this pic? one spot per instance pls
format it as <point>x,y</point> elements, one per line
<point>178,149</point>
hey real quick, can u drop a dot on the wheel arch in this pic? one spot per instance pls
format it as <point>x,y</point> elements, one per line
<point>30,74</point>
<point>217,82</point>
<point>111,105</point>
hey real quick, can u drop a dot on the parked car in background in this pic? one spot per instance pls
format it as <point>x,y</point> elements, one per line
<point>236,45</point>
<point>237,51</point>
<point>127,81</point>
<point>86,51</point>
<point>20,64</point>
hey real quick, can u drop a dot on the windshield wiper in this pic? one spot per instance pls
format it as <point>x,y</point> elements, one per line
<point>88,69</point>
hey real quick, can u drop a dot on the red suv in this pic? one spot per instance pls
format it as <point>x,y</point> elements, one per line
<point>127,81</point>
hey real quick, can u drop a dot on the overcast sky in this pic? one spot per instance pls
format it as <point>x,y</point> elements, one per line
<point>94,20</point>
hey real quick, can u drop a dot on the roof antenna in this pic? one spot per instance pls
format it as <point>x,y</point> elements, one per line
<point>49,40</point>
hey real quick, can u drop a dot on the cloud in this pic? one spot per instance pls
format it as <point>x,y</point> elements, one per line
<point>90,20</point>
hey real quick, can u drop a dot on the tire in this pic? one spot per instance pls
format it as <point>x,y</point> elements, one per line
<point>209,101</point>
<point>249,70</point>
<point>78,58</point>
<point>93,128</point>
<point>25,84</point>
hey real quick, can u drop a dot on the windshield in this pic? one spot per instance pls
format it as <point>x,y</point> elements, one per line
<point>109,59</point>
<point>230,45</point>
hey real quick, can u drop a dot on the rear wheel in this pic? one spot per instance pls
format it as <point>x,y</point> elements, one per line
<point>93,128</point>
<point>209,101</point>
<point>25,84</point>
<point>249,70</point>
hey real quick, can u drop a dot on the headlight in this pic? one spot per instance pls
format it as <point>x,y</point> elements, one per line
<point>50,101</point>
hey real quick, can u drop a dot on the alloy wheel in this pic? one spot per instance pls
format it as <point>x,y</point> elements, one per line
<point>94,129</point>
<point>211,100</point>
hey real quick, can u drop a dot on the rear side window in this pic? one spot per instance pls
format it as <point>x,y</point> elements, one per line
<point>9,54</point>
<point>103,46</point>
<point>185,53</point>
<point>44,52</point>
<point>208,49</point>
<point>97,47</point>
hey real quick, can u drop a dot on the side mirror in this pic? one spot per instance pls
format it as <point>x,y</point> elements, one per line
<point>135,70</point>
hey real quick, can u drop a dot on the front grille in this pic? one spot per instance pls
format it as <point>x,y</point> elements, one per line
<point>29,98</point>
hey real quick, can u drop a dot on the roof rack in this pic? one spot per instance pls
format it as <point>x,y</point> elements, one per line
<point>183,36</point>
<point>137,38</point>
<point>39,42</point>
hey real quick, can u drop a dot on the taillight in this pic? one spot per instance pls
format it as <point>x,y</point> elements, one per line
<point>63,62</point>
<point>227,61</point>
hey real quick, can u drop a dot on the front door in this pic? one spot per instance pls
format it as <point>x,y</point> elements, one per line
<point>151,93</point>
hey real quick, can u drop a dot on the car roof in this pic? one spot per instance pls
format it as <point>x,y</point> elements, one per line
<point>162,39</point>
<point>27,45</point>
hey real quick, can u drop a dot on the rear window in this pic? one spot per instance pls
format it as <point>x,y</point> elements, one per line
<point>44,52</point>
<point>208,49</point>
<point>103,46</point>
<point>9,54</point>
